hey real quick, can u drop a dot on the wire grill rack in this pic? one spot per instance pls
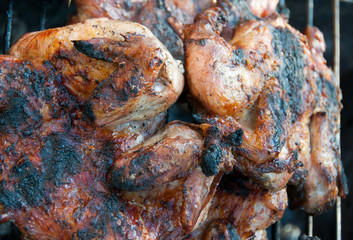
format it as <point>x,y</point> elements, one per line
<point>276,228</point>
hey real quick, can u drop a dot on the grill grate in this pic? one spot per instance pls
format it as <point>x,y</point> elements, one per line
<point>276,228</point>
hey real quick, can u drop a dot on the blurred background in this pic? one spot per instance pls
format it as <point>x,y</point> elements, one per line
<point>27,18</point>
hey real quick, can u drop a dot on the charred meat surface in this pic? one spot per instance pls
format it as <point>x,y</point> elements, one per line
<point>272,83</point>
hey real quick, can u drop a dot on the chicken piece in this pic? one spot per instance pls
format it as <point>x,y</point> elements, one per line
<point>261,235</point>
<point>166,156</point>
<point>105,64</point>
<point>244,10</point>
<point>158,16</point>
<point>240,208</point>
<point>56,155</point>
<point>259,83</point>
<point>180,204</point>
<point>324,177</point>
<point>166,18</point>
<point>262,8</point>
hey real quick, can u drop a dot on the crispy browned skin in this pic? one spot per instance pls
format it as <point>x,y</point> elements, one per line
<point>240,207</point>
<point>256,84</point>
<point>270,105</point>
<point>105,63</point>
<point>322,176</point>
<point>165,18</point>
<point>161,17</point>
<point>162,158</point>
<point>56,155</point>
<point>244,10</point>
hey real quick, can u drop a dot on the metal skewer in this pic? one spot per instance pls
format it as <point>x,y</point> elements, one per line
<point>43,15</point>
<point>310,22</point>
<point>9,14</point>
<point>276,230</point>
<point>310,12</point>
<point>336,69</point>
<point>310,225</point>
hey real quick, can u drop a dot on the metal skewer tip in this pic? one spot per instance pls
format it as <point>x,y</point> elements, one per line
<point>8,30</point>
<point>310,225</point>
<point>310,12</point>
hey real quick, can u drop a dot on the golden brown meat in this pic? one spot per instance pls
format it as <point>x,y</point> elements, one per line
<point>240,207</point>
<point>160,159</point>
<point>105,63</point>
<point>259,84</point>
<point>158,16</point>
<point>166,18</point>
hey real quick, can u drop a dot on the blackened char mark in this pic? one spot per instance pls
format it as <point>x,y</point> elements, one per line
<point>221,229</point>
<point>108,91</point>
<point>29,186</point>
<point>60,158</point>
<point>278,108</point>
<point>16,112</point>
<point>93,49</point>
<point>110,50</point>
<point>287,47</point>
<point>108,217</point>
<point>234,183</point>
<point>211,160</point>
<point>135,176</point>
<point>330,90</point>
<point>87,113</point>
<point>235,138</point>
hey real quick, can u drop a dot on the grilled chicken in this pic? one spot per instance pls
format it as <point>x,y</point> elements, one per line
<point>161,17</point>
<point>271,102</point>
<point>265,109</point>
<point>105,64</point>
<point>240,208</point>
<point>56,154</point>
<point>166,18</point>
<point>322,176</point>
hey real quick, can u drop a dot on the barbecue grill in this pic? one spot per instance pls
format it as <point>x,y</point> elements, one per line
<point>41,18</point>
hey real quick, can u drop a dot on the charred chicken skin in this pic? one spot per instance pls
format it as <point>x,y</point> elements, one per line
<point>158,16</point>
<point>260,93</point>
<point>166,18</point>
<point>321,178</point>
<point>56,154</point>
<point>72,169</point>
<point>86,152</point>
<point>261,109</point>
<point>240,209</point>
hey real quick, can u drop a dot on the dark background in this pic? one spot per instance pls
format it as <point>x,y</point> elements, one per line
<point>27,18</point>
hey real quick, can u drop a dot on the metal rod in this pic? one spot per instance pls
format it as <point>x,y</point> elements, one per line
<point>336,69</point>
<point>43,14</point>
<point>8,29</point>
<point>310,12</point>
<point>338,219</point>
<point>276,230</point>
<point>310,225</point>
<point>336,40</point>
